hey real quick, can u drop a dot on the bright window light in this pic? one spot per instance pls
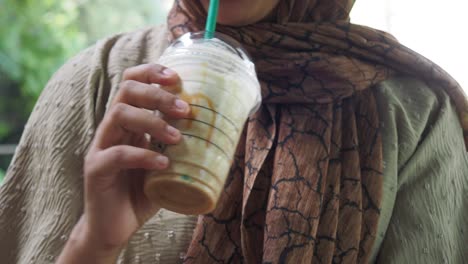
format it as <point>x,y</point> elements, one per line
<point>435,29</point>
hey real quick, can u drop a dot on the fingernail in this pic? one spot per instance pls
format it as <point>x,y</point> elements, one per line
<point>162,161</point>
<point>172,131</point>
<point>168,72</point>
<point>181,105</point>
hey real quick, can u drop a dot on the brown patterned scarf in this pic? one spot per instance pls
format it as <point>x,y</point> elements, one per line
<point>306,184</point>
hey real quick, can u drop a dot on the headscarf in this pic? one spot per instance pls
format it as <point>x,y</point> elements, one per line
<point>306,183</point>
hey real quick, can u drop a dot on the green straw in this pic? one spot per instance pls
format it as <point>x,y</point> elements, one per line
<point>211,20</point>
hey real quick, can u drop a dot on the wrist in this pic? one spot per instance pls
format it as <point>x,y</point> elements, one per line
<point>83,247</point>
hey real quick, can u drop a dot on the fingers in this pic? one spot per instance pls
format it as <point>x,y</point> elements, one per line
<point>127,117</point>
<point>152,73</point>
<point>123,119</point>
<point>151,97</point>
<point>123,157</point>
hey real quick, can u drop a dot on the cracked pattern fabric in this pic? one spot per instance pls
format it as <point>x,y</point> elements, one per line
<point>306,183</point>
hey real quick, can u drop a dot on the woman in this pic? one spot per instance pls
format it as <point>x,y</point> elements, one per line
<point>356,156</point>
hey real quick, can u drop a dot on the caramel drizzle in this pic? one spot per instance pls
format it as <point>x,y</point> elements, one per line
<point>196,99</point>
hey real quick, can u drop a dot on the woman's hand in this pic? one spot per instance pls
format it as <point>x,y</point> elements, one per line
<point>115,205</point>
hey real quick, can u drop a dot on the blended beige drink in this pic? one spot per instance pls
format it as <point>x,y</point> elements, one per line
<point>220,84</point>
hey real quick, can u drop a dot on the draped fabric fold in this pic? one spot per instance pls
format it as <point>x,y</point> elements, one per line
<point>306,183</point>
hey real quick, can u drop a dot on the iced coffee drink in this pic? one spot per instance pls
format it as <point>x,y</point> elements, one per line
<point>220,84</point>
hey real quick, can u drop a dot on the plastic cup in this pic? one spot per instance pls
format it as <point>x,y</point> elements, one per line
<point>220,84</point>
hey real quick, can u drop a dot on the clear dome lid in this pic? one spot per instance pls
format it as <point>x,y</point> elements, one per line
<point>222,55</point>
<point>220,41</point>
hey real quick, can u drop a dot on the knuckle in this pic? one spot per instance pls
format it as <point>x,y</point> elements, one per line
<point>155,68</point>
<point>117,111</point>
<point>126,87</point>
<point>157,122</point>
<point>127,73</point>
<point>155,73</point>
<point>162,97</point>
<point>117,154</point>
<point>152,91</point>
<point>159,95</point>
<point>89,164</point>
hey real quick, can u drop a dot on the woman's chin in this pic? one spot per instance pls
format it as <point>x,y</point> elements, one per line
<point>241,12</point>
<point>234,21</point>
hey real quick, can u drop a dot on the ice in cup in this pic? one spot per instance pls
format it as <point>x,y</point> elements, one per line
<point>220,84</point>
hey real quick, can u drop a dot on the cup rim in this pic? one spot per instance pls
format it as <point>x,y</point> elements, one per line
<point>232,43</point>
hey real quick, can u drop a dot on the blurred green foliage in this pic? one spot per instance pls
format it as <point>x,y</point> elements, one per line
<point>36,37</point>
